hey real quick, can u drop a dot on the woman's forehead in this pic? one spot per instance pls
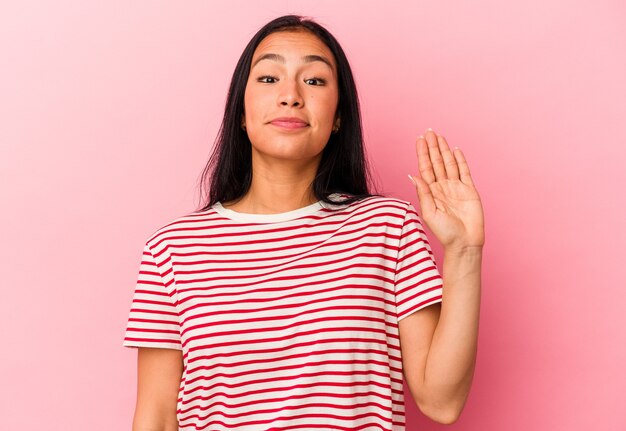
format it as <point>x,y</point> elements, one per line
<point>293,47</point>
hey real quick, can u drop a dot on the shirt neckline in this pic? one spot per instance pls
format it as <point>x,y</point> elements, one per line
<point>270,218</point>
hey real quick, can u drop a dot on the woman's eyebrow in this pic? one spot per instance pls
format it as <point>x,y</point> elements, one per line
<point>306,59</point>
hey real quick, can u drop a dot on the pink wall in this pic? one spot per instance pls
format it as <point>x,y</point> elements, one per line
<point>109,111</point>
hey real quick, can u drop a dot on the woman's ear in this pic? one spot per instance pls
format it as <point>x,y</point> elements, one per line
<point>336,126</point>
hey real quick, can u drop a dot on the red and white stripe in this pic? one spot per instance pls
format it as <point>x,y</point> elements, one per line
<point>286,321</point>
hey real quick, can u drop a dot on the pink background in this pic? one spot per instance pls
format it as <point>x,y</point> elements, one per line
<point>109,111</point>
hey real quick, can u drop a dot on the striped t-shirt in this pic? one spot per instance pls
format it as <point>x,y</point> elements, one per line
<point>286,321</point>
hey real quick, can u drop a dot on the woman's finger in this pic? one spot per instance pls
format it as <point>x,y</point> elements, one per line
<point>425,197</point>
<point>466,177</point>
<point>435,155</point>
<point>423,161</point>
<point>452,168</point>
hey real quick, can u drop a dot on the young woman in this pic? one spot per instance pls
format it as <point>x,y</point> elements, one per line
<point>295,298</point>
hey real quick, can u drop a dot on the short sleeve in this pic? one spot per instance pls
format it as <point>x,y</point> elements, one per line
<point>153,320</point>
<point>418,282</point>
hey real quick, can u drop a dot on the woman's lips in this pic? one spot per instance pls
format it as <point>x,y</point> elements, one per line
<point>289,124</point>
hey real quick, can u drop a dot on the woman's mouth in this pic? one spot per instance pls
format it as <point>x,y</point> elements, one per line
<point>289,125</point>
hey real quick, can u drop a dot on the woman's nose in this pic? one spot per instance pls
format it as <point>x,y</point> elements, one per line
<point>290,94</point>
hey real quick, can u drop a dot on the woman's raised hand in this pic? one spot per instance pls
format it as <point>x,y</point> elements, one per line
<point>449,202</point>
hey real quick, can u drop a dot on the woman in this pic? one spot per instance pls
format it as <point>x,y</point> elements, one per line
<point>295,299</point>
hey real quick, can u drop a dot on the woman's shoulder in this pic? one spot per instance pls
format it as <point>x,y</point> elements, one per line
<point>379,206</point>
<point>178,226</point>
<point>384,202</point>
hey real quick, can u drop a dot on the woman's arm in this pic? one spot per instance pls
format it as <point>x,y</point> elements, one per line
<point>159,372</point>
<point>452,210</point>
<point>439,342</point>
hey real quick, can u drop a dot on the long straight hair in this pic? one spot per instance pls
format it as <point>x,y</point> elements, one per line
<point>343,166</point>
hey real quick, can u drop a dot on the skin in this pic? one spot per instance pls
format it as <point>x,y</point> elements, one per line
<point>284,164</point>
<point>438,342</point>
<point>158,379</point>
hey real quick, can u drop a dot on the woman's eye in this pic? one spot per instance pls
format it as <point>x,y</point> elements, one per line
<point>265,76</point>
<point>322,82</point>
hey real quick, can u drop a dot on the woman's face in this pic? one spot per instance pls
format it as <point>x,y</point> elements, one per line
<point>287,85</point>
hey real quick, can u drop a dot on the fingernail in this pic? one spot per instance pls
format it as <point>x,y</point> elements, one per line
<point>429,129</point>
<point>412,180</point>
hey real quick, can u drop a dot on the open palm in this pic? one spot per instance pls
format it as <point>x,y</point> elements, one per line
<point>449,202</point>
